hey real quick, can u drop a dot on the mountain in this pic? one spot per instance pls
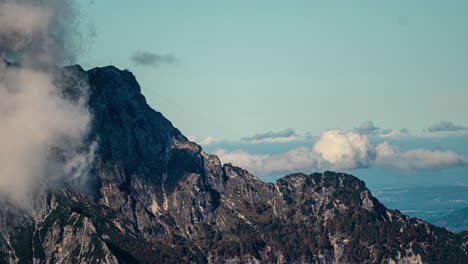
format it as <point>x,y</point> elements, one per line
<point>456,221</point>
<point>153,196</point>
<point>425,202</point>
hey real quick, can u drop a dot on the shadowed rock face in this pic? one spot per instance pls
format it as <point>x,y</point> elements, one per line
<point>152,196</point>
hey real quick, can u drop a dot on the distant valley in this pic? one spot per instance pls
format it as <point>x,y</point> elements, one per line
<point>426,202</point>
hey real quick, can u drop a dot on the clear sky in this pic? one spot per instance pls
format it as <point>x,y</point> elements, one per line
<point>262,84</point>
<point>246,67</point>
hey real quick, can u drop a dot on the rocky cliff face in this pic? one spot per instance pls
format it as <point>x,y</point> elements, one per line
<point>155,197</point>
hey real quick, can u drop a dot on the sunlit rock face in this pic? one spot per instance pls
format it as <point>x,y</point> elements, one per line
<point>152,196</point>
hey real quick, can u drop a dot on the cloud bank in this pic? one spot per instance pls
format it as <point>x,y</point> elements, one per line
<point>337,150</point>
<point>146,58</point>
<point>388,156</point>
<point>41,131</point>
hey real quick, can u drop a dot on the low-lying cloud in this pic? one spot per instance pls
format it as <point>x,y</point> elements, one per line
<point>151,59</point>
<point>337,150</point>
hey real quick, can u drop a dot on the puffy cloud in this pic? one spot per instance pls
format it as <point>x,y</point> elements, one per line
<point>337,150</point>
<point>445,126</point>
<point>367,127</point>
<point>286,135</point>
<point>146,58</point>
<point>344,150</point>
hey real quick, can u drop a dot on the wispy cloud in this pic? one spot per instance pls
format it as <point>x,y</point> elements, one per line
<point>446,126</point>
<point>151,59</point>
<point>286,135</point>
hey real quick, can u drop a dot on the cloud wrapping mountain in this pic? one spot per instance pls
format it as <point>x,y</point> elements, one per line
<point>37,33</point>
<point>41,129</point>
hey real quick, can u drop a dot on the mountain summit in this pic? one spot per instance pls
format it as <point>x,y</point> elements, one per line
<point>152,196</point>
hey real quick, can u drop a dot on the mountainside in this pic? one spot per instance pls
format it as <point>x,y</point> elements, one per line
<point>155,197</point>
<point>456,221</point>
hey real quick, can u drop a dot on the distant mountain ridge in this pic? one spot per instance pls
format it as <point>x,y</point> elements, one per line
<point>155,197</point>
<point>424,202</point>
<point>456,221</point>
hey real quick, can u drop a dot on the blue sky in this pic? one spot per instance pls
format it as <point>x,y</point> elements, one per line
<point>227,70</point>
<point>252,66</point>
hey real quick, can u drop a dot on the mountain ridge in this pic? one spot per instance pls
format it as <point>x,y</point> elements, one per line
<point>155,197</point>
<point>456,221</point>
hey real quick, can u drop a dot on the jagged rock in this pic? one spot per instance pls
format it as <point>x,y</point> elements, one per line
<point>153,196</point>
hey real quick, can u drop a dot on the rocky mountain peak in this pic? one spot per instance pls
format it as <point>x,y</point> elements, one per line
<point>157,198</point>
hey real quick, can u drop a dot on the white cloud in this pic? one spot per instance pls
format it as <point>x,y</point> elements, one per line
<point>344,150</point>
<point>416,159</point>
<point>300,159</point>
<point>336,150</point>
